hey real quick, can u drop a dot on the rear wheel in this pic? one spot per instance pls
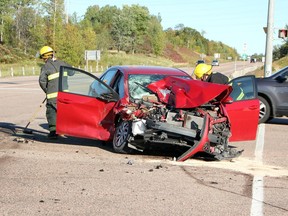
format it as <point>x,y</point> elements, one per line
<point>121,137</point>
<point>265,110</point>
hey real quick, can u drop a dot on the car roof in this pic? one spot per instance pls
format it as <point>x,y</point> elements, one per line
<point>273,75</point>
<point>134,69</point>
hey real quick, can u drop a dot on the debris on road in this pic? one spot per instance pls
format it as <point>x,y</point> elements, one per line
<point>22,140</point>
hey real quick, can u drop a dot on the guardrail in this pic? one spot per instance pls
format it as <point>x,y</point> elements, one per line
<point>19,71</point>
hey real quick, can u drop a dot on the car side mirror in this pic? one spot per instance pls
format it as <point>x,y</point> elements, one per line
<point>281,79</point>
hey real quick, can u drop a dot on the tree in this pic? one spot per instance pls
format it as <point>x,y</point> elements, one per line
<point>187,37</point>
<point>19,24</point>
<point>130,27</point>
<point>25,26</point>
<point>5,8</point>
<point>30,24</point>
<point>92,16</point>
<point>120,31</point>
<point>55,22</point>
<point>101,19</point>
<point>71,47</point>
<point>156,36</point>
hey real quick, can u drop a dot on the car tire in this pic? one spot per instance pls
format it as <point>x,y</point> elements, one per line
<point>122,134</point>
<point>265,110</point>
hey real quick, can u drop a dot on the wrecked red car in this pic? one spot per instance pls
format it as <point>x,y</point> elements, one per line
<point>144,107</point>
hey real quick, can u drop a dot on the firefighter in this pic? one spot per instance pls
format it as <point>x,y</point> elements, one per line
<point>204,72</point>
<point>48,81</point>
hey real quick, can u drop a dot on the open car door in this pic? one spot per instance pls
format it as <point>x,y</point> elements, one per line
<point>244,111</point>
<point>84,105</point>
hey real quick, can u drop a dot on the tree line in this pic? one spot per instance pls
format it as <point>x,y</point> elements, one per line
<point>27,25</point>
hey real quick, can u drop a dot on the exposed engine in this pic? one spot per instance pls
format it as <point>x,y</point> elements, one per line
<point>157,124</point>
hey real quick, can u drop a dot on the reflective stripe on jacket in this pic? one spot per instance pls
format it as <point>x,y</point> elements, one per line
<point>49,77</point>
<point>241,94</point>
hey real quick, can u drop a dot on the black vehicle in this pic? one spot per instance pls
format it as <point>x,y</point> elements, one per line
<point>200,62</point>
<point>273,95</point>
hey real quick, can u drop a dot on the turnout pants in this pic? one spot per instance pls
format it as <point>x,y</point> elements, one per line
<point>51,111</point>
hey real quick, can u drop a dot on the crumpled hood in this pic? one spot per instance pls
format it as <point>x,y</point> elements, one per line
<point>184,93</point>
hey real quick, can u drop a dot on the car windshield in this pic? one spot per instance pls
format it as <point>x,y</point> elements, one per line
<point>137,84</point>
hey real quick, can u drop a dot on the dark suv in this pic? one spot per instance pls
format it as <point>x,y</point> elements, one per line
<point>200,62</point>
<point>273,95</point>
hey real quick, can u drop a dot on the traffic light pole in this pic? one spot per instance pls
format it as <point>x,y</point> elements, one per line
<point>269,40</point>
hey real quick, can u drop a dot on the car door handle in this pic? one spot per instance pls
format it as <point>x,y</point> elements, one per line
<point>253,107</point>
<point>65,101</point>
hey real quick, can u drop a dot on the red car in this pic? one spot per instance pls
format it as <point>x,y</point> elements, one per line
<point>145,107</point>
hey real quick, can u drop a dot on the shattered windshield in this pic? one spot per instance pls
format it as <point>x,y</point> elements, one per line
<point>137,84</point>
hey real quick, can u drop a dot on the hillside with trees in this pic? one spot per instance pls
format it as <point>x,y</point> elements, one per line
<point>27,25</point>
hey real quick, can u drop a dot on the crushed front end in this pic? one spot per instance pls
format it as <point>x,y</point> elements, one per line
<point>203,129</point>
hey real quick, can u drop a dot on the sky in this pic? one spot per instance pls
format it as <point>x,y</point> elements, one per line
<point>236,23</point>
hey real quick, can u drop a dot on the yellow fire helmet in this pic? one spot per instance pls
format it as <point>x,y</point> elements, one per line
<point>45,51</point>
<point>202,69</point>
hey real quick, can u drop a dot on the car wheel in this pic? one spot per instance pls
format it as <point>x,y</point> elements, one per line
<point>121,137</point>
<point>265,109</point>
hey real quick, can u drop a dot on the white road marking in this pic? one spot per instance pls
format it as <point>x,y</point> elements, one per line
<point>260,143</point>
<point>257,196</point>
<point>258,180</point>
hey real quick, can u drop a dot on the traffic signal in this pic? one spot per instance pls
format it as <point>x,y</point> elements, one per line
<point>282,33</point>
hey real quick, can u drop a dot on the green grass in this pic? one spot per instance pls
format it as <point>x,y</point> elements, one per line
<point>283,62</point>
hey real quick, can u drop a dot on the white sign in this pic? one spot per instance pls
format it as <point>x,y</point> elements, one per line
<point>92,55</point>
<point>202,55</point>
<point>216,55</point>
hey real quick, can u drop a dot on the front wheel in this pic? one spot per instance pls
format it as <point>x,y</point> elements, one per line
<point>265,110</point>
<point>121,137</point>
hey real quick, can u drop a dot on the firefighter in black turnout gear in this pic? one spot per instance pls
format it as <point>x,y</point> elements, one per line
<point>48,81</point>
<point>204,72</point>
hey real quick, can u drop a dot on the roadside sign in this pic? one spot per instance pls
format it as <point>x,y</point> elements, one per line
<point>244,56</point>
<point>92,55</point>
<point>216,55</point>
<point>202,56</point>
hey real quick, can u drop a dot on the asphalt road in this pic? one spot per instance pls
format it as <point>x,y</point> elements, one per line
<point>73,176</point>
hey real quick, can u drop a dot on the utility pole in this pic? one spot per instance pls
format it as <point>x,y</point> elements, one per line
<point>269,40</point>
